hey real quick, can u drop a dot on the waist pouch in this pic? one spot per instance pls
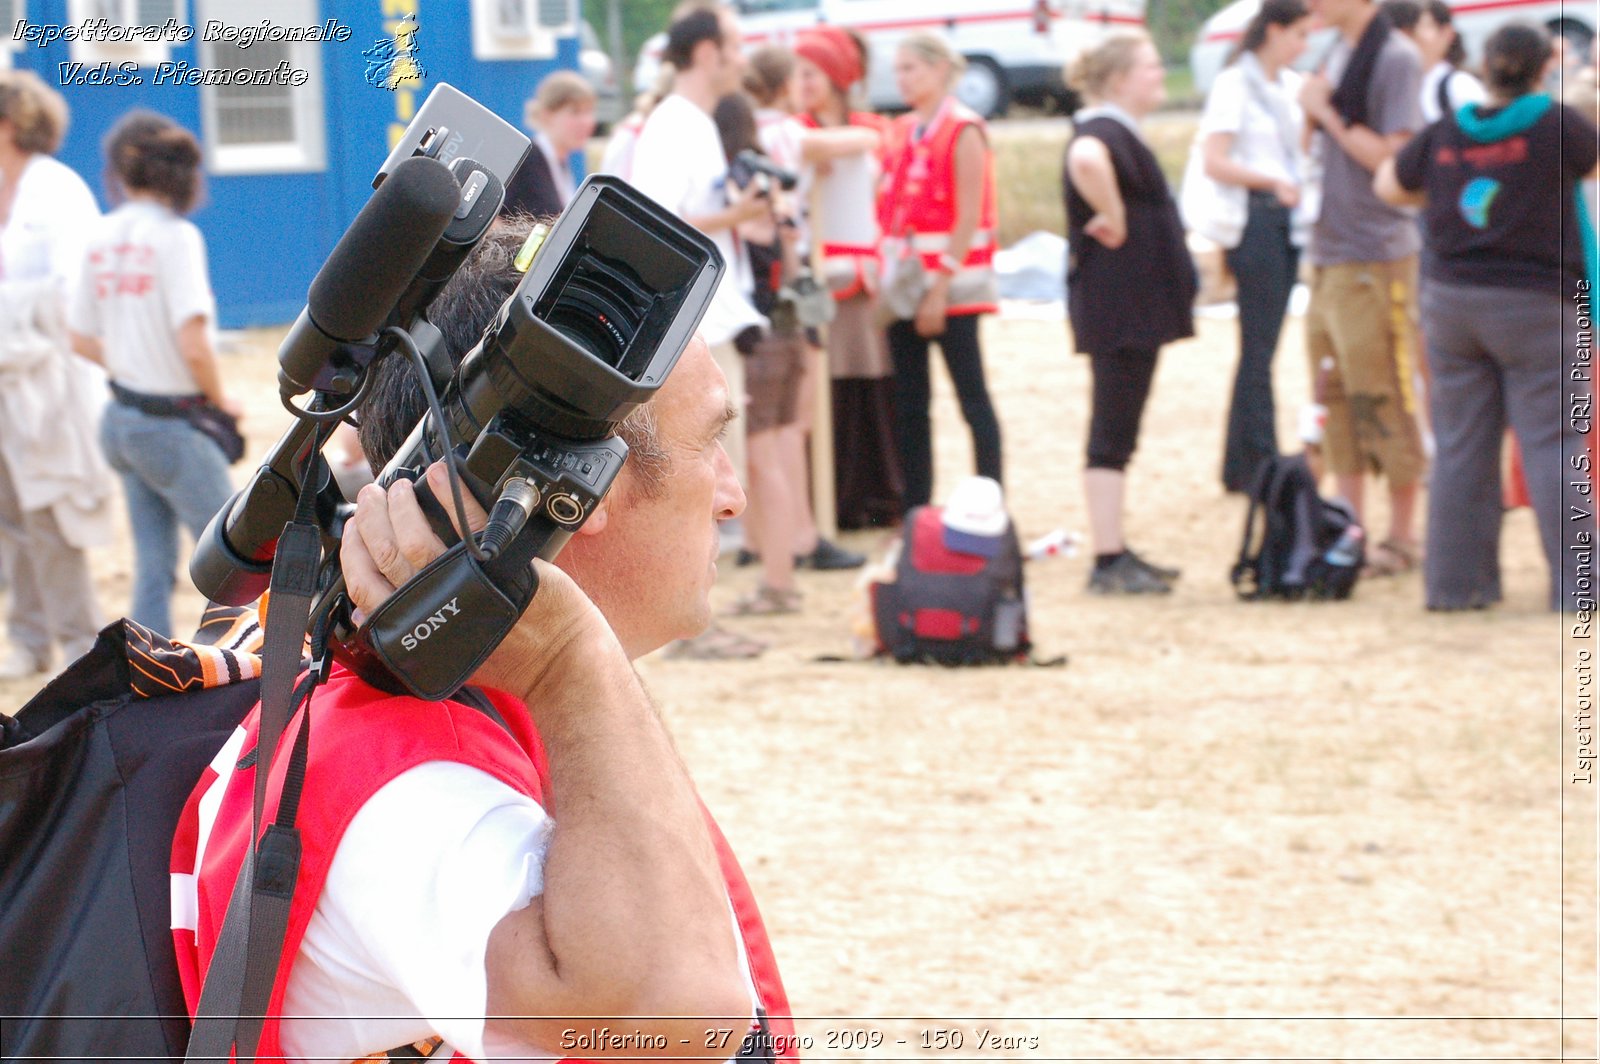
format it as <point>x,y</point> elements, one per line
<point>221,427</point>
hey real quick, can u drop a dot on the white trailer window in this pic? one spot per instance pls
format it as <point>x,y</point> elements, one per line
<point>161,15</point>
<point>262,109</point>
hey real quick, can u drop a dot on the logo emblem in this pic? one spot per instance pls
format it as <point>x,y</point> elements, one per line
<point>1476,199</point>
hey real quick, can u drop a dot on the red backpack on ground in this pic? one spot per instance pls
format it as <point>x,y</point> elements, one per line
<point>951,607</point>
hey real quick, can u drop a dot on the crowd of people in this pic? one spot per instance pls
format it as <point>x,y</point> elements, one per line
<point>1390,152</point>
<point>892,224</point>
<point>131,294</point>
<point>1391,122</point>
<point>898,218</point>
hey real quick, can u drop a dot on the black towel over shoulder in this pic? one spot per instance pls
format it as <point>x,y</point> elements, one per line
<point>1350,97</point>
<point>1141,295</point>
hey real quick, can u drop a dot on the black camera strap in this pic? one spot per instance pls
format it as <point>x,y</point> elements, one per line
<point>244,966</point>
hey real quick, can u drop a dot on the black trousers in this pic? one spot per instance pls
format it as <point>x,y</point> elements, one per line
<point>1121,387</point>
<point>1265,263</point>
<point>913,432</point>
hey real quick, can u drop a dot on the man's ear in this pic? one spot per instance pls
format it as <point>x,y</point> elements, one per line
<point>597,520</point>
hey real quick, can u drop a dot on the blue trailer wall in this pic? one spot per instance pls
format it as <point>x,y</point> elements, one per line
<point>267,233</point>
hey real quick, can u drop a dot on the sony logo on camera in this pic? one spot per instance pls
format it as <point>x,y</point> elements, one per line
<point>430,624</point>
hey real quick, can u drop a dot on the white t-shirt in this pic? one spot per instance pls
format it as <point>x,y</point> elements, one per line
<point>1461,89</point>
<point>51,218</point>
<point>679,163</point>
<point>144,276</point>
<point>391,957</point>
<point>617,159</point>
<point>780,135</point>
<point>847,199</point>
<point>1264,119</point>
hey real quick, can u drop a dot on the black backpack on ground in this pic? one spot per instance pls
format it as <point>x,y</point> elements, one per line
<point>949,607</point>
<point>1296,543</point>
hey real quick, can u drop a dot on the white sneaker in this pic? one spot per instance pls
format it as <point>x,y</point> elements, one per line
<point>19,664</point>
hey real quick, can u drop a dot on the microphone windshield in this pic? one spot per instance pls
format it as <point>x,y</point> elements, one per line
<point>379,255</point>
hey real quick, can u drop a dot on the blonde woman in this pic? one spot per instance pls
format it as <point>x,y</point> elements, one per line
<point>1130,283</point>
<point>936,207</point>
<point>54,486</point>
<point>561,116</point>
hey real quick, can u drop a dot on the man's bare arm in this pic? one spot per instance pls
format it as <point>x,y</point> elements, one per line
<point>634,920</point>
<point>1387,187</point>
<point>1095,177</point>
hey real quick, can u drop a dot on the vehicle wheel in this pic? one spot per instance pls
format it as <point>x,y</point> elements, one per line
<point>983,87</point>
<point>1578,37</point>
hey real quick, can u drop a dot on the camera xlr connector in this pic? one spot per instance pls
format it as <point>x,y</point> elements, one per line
<point>511,511</point>
<point>564,509</point>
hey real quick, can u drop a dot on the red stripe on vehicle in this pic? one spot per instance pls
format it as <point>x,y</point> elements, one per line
<point>999,16</point>
<point>1490,5</point>
<point>763,36</point>
<point>1457,9</point>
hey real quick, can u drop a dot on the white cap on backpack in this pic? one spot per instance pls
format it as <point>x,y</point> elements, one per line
<point>974,517</point>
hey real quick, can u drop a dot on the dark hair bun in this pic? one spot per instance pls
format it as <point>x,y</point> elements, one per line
<point>1514,58</point>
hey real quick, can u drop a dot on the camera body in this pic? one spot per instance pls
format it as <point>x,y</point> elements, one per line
<point>611,301</point>
<point>527,421</point>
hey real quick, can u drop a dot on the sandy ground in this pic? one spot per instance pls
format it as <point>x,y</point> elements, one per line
<point>1223,831</point>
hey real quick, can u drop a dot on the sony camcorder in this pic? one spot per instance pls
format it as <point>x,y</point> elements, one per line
<point>527,422</point>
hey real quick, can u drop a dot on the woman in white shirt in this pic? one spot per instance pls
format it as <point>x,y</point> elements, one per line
<point>839,148</point>
<point>1445,86</point>
<point>145,311</point>
<point>1250,134</point>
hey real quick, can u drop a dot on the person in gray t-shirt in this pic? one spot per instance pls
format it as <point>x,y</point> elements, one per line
<point>1361,325</point>
<point>1355,225</point>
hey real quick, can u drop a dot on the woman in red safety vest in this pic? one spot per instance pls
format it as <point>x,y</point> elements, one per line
<point>839,148</point>
<point>937,209</point>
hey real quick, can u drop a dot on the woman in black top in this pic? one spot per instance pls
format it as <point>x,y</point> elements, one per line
<point>561,117</point>
<point>1505,288</point>
<point>1130,282</point>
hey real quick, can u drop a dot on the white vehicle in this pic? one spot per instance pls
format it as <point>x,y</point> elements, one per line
<point>1474,20</point>
<point>1015,49</point>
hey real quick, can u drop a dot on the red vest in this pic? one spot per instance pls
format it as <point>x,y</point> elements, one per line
<point>851,268</point>
<point>917,203</point>
<point>361,739</point>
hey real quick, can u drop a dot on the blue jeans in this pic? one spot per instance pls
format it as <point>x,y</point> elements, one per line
<point>171,474</point>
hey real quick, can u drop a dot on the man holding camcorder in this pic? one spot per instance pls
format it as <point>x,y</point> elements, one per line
<point>501,877</point>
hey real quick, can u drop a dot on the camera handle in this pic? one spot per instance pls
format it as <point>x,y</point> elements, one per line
<point>431,635</point>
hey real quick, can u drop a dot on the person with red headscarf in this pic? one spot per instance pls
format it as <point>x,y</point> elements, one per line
<point>839,150</point>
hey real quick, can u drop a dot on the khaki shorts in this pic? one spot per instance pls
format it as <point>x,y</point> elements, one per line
<point>1363,316</point>
<point>772,376</point>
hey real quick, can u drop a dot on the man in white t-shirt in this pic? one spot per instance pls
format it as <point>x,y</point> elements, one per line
<point>679,162</point>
